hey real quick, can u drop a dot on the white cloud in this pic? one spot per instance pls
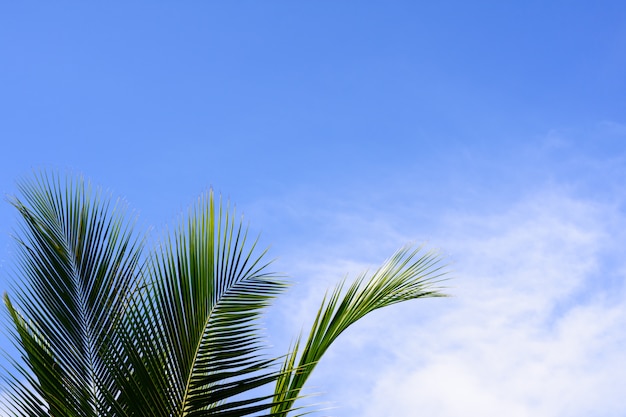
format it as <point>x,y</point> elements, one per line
<point>531,330</point>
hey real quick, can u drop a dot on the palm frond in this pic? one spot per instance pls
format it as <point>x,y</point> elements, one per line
<point>77,257</point>
<point>208,287</point>
<point>405,276</point>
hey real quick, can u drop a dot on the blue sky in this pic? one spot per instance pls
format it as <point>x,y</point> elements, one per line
<point>344,130</point>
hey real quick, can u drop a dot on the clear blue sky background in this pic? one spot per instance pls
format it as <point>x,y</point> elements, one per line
<point>343,130</point>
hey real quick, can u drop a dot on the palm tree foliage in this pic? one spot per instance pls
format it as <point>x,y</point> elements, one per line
<point>110,327</point>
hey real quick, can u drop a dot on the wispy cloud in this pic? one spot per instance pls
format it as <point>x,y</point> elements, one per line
<point>525,337</point>
<point>535,326</point>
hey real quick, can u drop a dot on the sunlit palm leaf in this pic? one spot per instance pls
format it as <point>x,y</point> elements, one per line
<point>405,276</point>
<point>208,288</point>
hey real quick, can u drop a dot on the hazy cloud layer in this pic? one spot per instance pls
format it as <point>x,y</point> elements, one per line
<point>536,324</point>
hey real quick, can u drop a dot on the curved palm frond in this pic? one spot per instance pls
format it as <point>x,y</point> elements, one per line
<point>79,258</point>
<point>405,276</point>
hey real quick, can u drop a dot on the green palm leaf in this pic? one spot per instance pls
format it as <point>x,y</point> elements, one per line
<point>405,276</point>
<point>207,290</point>
<point>79,258</point>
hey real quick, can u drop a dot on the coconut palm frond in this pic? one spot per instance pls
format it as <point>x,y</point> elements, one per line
<point>208,288</point>
<point>78,258</point>
<point>409,274</point>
